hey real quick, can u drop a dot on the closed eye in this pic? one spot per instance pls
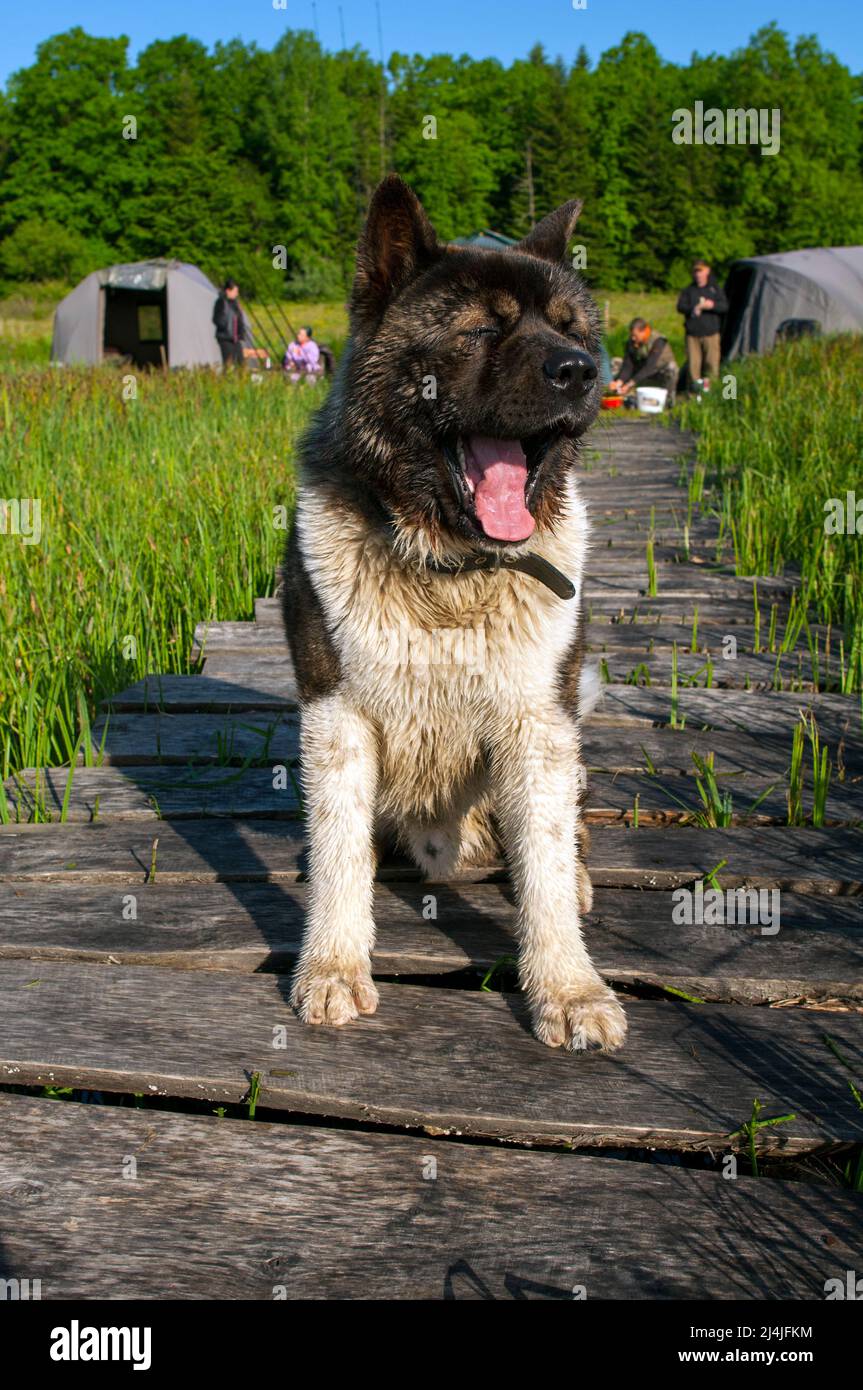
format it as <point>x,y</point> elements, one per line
<point>485,331</point>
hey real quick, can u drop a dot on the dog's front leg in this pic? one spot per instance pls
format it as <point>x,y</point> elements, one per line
<point>535,768</point>
<point>333,982</point>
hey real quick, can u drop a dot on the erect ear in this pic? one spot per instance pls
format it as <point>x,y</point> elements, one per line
<point>397,243</point>
<point>550,238</point>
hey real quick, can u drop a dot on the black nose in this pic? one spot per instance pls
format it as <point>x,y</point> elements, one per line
<point>569,369</point>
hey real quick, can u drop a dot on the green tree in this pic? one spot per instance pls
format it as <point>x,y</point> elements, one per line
<point>69,162</point>
<point>238,152</point>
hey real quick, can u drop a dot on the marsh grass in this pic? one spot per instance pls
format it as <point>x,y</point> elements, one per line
<point>792,440</point>
<point>157,513</point>
<point>751,1128</point>
<point>822,771</point>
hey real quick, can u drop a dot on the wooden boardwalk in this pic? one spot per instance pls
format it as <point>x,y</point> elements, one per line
<point>146,942</point>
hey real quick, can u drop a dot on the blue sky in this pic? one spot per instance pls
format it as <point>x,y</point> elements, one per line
<point>504,29</point>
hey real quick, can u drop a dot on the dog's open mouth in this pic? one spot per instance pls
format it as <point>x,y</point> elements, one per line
<point>494,480</point>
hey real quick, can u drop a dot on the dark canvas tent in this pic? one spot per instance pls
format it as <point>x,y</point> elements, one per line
<point>823,286</point>
<point>150,312</point>
<point>487,241</point>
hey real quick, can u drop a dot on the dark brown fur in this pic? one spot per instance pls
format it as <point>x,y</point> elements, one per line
<point>416,307</point>
<point>316,662</point>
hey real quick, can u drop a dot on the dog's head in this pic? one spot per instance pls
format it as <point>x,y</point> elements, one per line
<point>469,375</point>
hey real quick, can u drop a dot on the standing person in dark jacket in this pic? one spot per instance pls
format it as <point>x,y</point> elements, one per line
<point>232,331</point>
<point>648,361</point>
<point>701,303</point>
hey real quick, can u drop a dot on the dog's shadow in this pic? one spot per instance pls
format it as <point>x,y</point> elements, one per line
<point>244,852</point>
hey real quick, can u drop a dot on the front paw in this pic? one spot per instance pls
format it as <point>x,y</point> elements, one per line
<point>333,994</point>
<point>579,1018</point>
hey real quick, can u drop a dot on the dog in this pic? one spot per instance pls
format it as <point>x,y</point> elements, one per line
<point>432,604</point>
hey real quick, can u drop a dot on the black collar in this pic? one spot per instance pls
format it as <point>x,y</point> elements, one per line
<point>534,565</point>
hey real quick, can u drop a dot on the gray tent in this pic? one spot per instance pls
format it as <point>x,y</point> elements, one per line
<point>487,241</point>
<point>153,312</point>
<point>819,290</point>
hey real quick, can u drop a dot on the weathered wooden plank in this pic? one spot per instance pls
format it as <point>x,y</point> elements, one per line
<point>268,610</point>
<point>124,740</point>
<point>697,540</point>
<point>155,794</point>
<point>658,511</point>
<point>645,461</point>
<point>635,666</point>
<point>631,472</point>
<point>715,612</point>
<point>610,433</point>
<point>608,445</point>
<point>257,851</point>
<point>626,462</point>
<point>667,751</point>
<point>625,548</point>
<point>457,1060</point>
<point>773,711</point>
<point>267,638</point>
<point>815,953</point>
<point>657,516</point>
<point>629,482</point>
<point>614,610</point>
<point>648,636</point>
<point>616,564</point>
<point>762,672</point>
<point>334,1214</point>
<point>272,690</point>
<point>654,800</point>
<point>166,739</point>
<point>268,687</point>
<point>666,522</point>
<point>682,581</point>
<point>170,793</point>
<point>691,540</point>
<point>623,644</point>
<point>637,478</point>
<point>637,475</point>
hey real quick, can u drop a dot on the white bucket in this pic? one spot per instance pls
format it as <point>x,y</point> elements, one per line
<point>651,399</point>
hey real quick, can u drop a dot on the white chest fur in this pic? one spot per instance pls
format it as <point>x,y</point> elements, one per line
<point>434,661</point>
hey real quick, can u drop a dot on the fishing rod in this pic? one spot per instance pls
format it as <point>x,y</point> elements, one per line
<point>290,327</point>
<point>262,333</point>
<point>272,318</point>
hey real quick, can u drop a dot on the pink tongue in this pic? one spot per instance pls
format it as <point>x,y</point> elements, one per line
<point>498,470</point>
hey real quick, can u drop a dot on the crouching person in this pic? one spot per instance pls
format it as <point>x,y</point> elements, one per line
<point>302,361</point>
<point>648,361</point>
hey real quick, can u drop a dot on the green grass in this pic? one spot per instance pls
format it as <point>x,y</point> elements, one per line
<point>157,513</point>
<point>750,1130</point>
<point>26,322</point>
<point>822,771</point>
<point>792,440</point>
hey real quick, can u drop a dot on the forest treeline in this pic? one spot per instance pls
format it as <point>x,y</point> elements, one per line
<point>218,157</point>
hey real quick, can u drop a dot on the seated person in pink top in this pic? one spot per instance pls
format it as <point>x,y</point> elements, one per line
<point>302,361</point>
